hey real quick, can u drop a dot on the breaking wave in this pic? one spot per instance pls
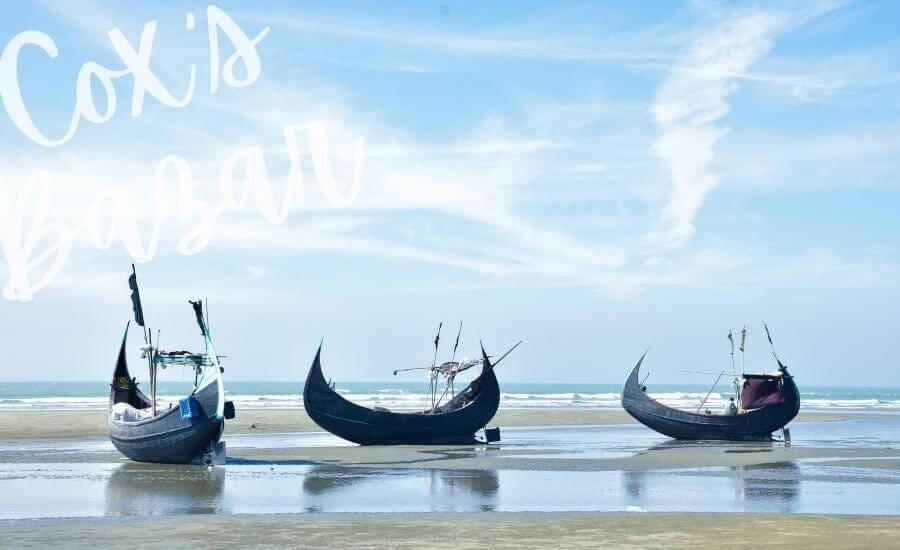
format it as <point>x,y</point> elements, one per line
<point>411,399</point>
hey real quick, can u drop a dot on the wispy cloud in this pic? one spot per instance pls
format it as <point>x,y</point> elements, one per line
<point>692,101</point>
<point>505,198</point>
<point>635,47</point>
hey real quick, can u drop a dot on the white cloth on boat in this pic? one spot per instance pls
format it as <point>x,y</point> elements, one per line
<point>127,413</point>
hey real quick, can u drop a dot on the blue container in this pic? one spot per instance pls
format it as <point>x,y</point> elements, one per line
<point>188,408</point>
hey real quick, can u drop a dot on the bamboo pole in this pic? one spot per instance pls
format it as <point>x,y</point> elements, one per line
<point>710,391</point>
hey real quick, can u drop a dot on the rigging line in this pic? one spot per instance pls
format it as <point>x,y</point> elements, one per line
<point>447,387</point>
<point>710,391</point>
<point>502,357</point>
<point>751,360</point>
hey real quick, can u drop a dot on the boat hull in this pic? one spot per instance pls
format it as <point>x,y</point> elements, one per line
<point>167,438</point>
<point>754,425</point>
<point>366,426</point>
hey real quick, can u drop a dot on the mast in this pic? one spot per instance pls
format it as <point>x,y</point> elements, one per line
<point>735,381</point>
<point>153,373</point>
<point>432,377</point>
<point>731,339</point>
<point>453,359</point>
<point>743,347</point>
<point>148,347</point>
<point>211,355</point>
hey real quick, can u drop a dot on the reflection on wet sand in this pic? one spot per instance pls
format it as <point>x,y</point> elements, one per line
<point>155,489</point>
<point>772,487</point>
<point>759,487</point>
<point>466,487</point>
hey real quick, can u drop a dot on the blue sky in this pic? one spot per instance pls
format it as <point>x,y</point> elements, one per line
<point>593,178</point>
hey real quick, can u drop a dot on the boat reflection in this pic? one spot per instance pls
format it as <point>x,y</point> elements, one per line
<point>157,489</point>
<point>772,487</point>
<point>397,489</point>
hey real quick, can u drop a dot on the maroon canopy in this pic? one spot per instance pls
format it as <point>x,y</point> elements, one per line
<point>759,392</point>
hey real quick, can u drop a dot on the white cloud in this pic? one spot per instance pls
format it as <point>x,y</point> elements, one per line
<point>615,48</point>
<point>690,103</point>
<point>472,201</point>
<point>590,168</point>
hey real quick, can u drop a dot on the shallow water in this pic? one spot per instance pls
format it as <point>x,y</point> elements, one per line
<point>53,483</point>
<point>82,490</point>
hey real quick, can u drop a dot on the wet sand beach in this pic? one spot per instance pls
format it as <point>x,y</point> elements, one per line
<point>567,478</point>
<point>466,531</point>
<point>49,424</point>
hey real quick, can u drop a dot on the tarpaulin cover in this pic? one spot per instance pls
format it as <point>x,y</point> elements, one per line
<point>760,392</point>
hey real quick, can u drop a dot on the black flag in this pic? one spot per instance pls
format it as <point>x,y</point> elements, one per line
<point>438,337</point>
<point>436,340</point>
<point>772,345</point>
<point>198,311</point>
<point>769,336</point>
<point>135,297</point>
<point>456,346</point>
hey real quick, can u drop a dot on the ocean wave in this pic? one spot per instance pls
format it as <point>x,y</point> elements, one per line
<point>393,398</point>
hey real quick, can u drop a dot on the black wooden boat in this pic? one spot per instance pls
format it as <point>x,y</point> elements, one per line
<point>454,422</point>
<point>186,431</point>
<point>768,403</point>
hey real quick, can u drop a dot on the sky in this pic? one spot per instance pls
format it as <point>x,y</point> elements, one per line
<point>595,179</point>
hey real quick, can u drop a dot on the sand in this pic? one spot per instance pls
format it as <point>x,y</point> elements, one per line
<point>24,431</point>
<point>19,425</point>
<point>461,531</point>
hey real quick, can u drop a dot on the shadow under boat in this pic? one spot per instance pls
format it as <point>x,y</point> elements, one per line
<point>142,489</point>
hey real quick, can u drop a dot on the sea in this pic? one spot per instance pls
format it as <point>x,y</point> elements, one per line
<point>411,396</point>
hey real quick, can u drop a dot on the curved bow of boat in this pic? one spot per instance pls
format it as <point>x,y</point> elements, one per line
<point>315,378</point>
<point>632,389</point>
